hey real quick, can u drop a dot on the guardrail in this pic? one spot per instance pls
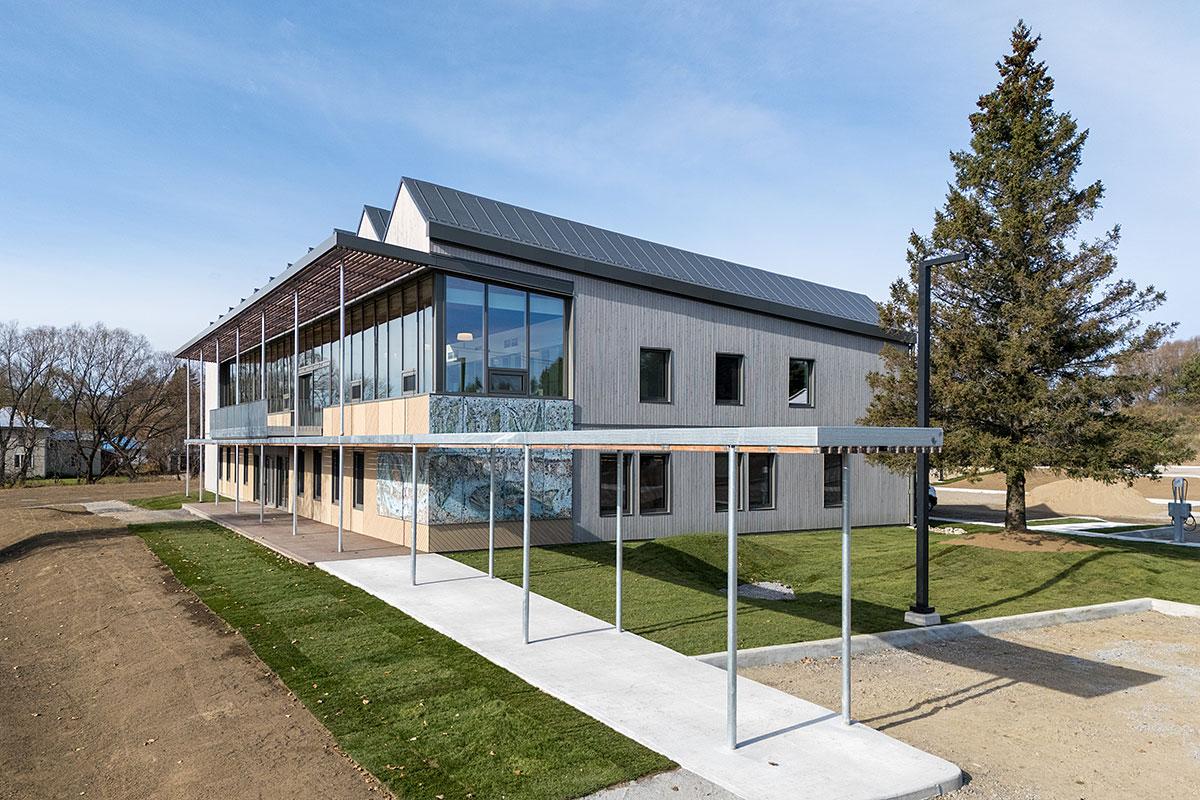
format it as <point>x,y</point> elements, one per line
<point>243,419</point>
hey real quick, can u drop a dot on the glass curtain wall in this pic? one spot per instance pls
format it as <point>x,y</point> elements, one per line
<point>501,340</point>
<point>498,340</point>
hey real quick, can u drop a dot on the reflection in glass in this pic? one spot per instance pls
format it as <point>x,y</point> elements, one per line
<point>464,336</point>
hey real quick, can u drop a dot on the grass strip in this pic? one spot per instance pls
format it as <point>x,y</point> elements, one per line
<point>426,715</point>
<point>675,586</point>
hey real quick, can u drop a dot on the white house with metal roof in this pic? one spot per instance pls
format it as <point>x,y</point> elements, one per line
<point>455,313</point>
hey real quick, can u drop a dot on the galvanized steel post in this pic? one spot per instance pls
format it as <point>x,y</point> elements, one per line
<point>296,476</point>
<point>261,473</point>
<point>187,413</point>
<point>525,556</point>
<point>217,361</point>
<point>731,585</point>
<point>846,518</point>
<point>341,390</point>
<point>200,392</point>
<point>491,513</point>
<point>620,542</point>
<point>413,550</point>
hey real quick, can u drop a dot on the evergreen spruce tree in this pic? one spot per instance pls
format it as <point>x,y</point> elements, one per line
<point>1034,338</point>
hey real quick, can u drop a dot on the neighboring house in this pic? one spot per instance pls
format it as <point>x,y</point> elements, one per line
<point>50,453</point>
<point>468,314</point>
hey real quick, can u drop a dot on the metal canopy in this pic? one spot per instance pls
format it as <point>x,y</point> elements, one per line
<point>810,439</point>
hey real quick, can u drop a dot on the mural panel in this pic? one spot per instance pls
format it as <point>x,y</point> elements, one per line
<point>455,482</point>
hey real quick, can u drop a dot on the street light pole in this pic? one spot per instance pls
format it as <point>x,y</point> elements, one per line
<point>921,612</point>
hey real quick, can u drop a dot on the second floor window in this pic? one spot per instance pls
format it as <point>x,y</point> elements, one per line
<point>729,379</point>
<point>800,383</point>
<point>654,375</point>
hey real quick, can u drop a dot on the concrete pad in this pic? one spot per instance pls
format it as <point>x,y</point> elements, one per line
<point>864,643</point>
<point>669,702</point>
<point>133,515</point>
<point>313,541</point>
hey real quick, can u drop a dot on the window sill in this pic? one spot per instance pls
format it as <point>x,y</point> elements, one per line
<point>654,513</point>
<point>656,402</point>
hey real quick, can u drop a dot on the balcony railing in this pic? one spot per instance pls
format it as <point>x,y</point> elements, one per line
<point>241,420</point>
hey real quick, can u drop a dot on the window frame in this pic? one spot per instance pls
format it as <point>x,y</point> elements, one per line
<point>825,480</point>
<point>811,370</point>
<point>300,472</point>
<point>335,476</point>
<point>316,474</point>
<point>358,473</point>
<point>740,400</point>
<point>667,484</point>
<point>628,487</point>
<point>668,378</point>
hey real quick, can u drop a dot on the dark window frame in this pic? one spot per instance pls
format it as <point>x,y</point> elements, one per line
<point>628,488</point>
<point>826,484</point>
<point>668,378</point>
<point>316,474</point>
<point>335,475</point>
<point>744,461</point>
<point>300,472</point>
<point>358,470</point>
<point>667,484</point>
<point>740,400</point>
<point>810,373</point>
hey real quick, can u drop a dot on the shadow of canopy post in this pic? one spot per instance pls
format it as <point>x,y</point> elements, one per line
<point>813,440</point>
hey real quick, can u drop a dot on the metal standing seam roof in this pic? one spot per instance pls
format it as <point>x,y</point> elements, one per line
<point>491,218</point>
<point>379,218</point>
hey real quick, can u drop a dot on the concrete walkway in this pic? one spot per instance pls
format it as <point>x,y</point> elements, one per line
<point>313,541</point>
<point>667,701</point>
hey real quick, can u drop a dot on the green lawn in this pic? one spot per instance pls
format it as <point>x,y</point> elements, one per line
<point>675,587</point>
<point>167,502</point>
<point>424,714</point>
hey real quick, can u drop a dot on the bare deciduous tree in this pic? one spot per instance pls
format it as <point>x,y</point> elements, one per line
<point>29,359</point>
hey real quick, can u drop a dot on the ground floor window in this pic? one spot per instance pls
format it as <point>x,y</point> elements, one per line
<point>608,485</point>
<point>360,468</point>
<point>246,465</point>
<point>335,476</point>
<point>316,474</point>
<point>257,475</point>
<point>300,472</point>
<point>755,481</point>
<point>654,483</point>
<point>833,480</point>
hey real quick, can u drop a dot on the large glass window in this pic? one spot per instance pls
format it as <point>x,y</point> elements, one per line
<point>729,379</point>
<point>508,366</point>
<point>368,351</point>
<point>608,485</point>
<point>833,480</point>
<point>800,383</point>
<point>396,344</point>
<point>425,324</point>
<point>654,483</point>
<point>382,385</point>
<point>316,474</point>
<point>655,375</point>
<point>547,332</point>
<point>464,335</point>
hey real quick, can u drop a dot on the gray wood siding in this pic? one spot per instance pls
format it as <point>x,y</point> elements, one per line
<point>612,321</point>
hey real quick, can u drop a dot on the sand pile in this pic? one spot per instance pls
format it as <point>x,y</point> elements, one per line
<point>1094,499</point>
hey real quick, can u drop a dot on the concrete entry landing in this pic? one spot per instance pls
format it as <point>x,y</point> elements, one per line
<point>669,702</point>
<point>314,541</point>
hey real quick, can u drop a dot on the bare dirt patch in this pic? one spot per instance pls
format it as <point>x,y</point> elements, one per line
<point>1102,710</point>
<point>1024,542</point>
<point>116,681</point>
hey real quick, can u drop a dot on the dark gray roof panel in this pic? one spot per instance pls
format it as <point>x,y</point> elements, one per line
<point>378,219</point>
<point>491,218</point>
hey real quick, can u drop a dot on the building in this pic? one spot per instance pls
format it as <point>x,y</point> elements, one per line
<point>36,450</point>
<point>465,314</point>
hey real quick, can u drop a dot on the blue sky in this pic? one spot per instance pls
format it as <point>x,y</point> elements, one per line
<point>159,162</point>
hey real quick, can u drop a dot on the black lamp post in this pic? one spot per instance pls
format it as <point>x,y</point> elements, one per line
<point>921,612</point>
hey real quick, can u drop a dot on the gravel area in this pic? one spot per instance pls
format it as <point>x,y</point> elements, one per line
<point>1103,710</point>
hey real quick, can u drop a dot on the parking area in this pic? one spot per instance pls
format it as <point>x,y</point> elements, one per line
<point>1099,710</point>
